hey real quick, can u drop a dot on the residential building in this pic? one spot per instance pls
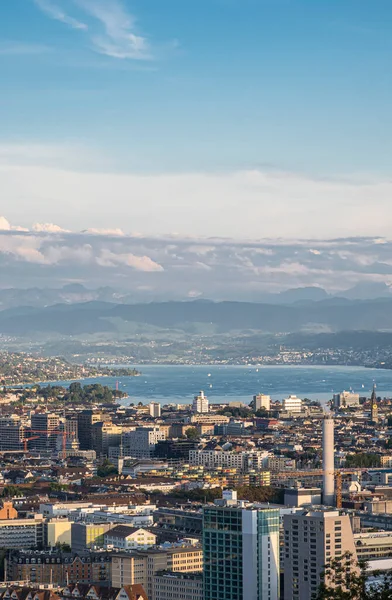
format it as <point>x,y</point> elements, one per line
<point>280,463</point>
<point>59,568</point>
<point>373,545</point>
<point>169,585</point>
<point>141,566</point>
<point>200,403</point>
<point>241,551</point>
<point>292,404</point>
<point>262,401</point>
<point>212,459</point>
<point>311,540</point>
<point>141,442</point>
<point>125,537</point>
<point>155,410</point>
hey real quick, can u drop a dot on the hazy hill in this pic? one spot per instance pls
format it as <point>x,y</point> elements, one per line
<point>222,317</point>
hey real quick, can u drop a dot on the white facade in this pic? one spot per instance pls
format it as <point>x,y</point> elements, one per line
<point>155,410</point>
<point>200,403</point>
<point>262,401</point>
<point>119,538</point>
<point>231,460</point>
<point>328,462</point>
<point>346,400</point>
<point>292,404</point>
<point>141,442</point>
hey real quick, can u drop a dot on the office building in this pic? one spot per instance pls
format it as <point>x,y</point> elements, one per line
<point>175,449</point>
<point>262,401</point>
<point>22,533</point>
<point>105,435</point>
<point>241,551</point>
<point>12,433</point>
<point>57,531</point>
<point>49,425</point>
<point>200,403</point>
<point>141,442</point>
<point>174,585</point>
<point>346,400</point>
<point>86,420</point>
<point>155,410</point>
<point>292,404</point>
<point>88,535</point>
<point>311,540</point>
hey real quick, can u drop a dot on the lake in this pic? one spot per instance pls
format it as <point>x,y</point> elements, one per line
<point>178,383</point>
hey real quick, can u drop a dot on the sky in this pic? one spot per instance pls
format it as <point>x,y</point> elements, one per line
<point>248,120</point>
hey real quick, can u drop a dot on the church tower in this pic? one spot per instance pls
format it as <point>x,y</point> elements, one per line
<point>374,406</point>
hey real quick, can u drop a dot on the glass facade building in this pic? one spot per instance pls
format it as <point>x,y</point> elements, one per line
<point>241,553</point>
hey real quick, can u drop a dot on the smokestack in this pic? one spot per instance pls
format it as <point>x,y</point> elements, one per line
<point>328,462</point>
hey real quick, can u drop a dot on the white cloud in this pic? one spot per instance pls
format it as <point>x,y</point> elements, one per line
<point>118,38</point>
<point>110,28</point>
<point>115,231</point>
<point>108,258</point>
<point>48,228</point>
<point>52,10</point>
<point>4,224</point>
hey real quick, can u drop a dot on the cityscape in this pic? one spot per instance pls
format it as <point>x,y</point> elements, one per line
<point>195,300</point>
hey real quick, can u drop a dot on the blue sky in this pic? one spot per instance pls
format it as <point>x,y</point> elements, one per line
<point>295,84</point>
<point>184,88</point>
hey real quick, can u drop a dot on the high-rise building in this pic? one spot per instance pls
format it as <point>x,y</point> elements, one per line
<point>200,403</point>
<point>86,420</point>
<point>155,410</point>
<point>262,401</point>
<point>328,461</point>
<point>12,433</point>
<point>311,540</point>
<point>49,425</point>
<point>374,406</point>
<point>141,442</point>
<point>104,436</point>
<point>241,551</point>
<point>292,404</point>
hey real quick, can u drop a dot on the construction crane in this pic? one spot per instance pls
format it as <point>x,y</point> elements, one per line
<point>50,432</point>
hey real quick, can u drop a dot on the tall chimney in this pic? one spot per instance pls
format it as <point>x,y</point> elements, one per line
<point>328,462</point>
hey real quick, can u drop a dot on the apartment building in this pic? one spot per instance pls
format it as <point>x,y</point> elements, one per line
<point>311,540</point>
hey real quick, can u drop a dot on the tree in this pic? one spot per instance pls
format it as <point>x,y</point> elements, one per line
<point>192,433</point>
<point>363,459</point>
<point>344,578</point>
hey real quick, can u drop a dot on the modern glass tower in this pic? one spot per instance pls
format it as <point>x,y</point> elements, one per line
<point>241,551</point>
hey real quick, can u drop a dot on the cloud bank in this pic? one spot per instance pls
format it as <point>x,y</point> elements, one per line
<point>173,266</point>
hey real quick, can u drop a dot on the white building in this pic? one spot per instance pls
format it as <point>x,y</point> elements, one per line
<point>292,404</point>
<point>211,459</point>
<point>200,403</point>
<point>262,401</point>
<point>123,537</point>
<point>155,410</point>
<point>346,400</point>
<point>141,442</point>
